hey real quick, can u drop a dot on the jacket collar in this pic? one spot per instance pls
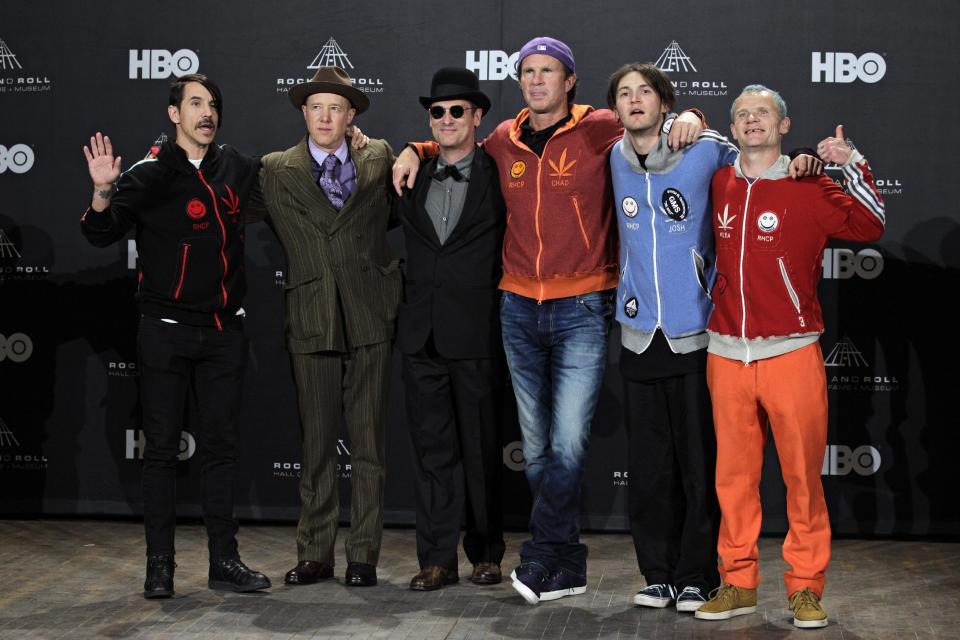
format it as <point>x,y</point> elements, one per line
<point>777,171</point>
<point>577,113</point>
<point>297,170</point>
<point>480,177</point>
<point>661,159</point>
<point>173,156</point>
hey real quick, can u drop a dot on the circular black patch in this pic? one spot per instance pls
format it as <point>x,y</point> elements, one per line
<point>630,308</point>
<point>673,204</point>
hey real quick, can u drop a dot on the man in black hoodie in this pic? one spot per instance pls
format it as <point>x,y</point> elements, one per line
<point>186,201</point>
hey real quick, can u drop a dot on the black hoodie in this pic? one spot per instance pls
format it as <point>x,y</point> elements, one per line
<point>189,230</point>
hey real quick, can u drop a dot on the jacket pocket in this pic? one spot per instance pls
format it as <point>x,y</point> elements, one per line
<point>304,304</point>
<point>699,265</point>
<point>390,267</point>
<point>598,303</point>
<point>183,259</point>
<point>786,282</point>
<point>575,201</point>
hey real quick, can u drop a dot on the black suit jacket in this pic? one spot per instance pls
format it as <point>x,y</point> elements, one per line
<point>451,289</point>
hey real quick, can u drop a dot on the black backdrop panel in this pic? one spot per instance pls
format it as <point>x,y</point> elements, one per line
<point>69,437</point>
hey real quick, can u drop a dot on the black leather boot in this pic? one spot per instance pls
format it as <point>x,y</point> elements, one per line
<point>159,582</point>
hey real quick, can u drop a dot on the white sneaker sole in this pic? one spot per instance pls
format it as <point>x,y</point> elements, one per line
<point>556,595</point>
<point>810,624</point>
<point>650,601</point>
<point>689,606</point>
<point>724,615</point>
<point>525,591</point>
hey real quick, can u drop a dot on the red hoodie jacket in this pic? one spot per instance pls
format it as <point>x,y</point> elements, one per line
<point>770,239</point>
<point>561,235</point>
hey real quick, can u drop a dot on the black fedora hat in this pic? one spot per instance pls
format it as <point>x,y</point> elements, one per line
<point>456,83</point>
<point>330,80</point>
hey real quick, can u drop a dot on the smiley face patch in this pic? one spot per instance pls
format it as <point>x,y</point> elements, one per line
<point>768,222</point>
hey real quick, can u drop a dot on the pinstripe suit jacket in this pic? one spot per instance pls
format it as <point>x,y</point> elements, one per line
<point>343,286</point>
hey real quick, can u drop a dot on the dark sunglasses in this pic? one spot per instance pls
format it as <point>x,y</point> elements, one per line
<point>456,111</point>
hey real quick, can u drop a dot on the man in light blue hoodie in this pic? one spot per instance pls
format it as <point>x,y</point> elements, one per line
<point>662,203</point>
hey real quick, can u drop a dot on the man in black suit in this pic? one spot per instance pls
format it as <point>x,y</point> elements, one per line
<point>449,332</point>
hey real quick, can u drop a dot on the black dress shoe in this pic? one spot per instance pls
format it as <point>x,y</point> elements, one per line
<point>360,574</point>
<point>159,582</point>
<point>308,572</point>
<point>486,573</point>
<point>432,577</point>
<point>230,574</point>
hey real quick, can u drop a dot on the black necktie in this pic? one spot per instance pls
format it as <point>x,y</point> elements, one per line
<point>449,171</point>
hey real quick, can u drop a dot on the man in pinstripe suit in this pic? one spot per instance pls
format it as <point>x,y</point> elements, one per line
<point>329,206</point>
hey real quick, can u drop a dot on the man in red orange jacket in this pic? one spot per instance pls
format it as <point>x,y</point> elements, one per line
<point>764,360</point>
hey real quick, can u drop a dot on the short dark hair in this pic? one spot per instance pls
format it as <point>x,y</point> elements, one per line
<point>176,92</point>
<point>658,80</point>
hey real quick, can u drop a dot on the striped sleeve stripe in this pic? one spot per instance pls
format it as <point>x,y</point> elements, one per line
<point>132,167</point>
<point>862,191</point>
<point>710,134</point>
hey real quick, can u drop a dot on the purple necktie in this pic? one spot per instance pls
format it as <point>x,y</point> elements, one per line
<point>330,182</point>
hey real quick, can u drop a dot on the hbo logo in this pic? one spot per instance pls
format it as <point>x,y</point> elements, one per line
<point>18,158</point>
<point>17,348</point>
<point>160,63</point>
<point>492,65</point>
<point>846,67</point>
<point>513,456</point>
<point>840,460</point>
<point>842,264</point>
<point>135,442</point>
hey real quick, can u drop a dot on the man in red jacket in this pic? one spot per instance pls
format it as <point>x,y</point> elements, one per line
<point>764,361</point>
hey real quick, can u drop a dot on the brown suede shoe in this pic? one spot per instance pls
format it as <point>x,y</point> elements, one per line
<point>432,577</point>
<point>308,572</point>
<point>486,573</point>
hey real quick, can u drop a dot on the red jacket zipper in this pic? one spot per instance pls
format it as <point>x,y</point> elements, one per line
<point>183,271</point>
<point>223,245</point>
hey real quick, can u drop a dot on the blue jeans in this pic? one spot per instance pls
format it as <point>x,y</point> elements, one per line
<point>556,352</point>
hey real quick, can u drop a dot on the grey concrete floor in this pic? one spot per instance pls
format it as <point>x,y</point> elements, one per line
<point>83,579</point>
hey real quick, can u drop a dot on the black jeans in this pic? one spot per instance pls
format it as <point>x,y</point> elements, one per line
<point>674,515</point>
<point>172,358</point>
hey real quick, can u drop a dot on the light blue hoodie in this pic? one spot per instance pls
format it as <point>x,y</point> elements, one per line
<point>667,256</point>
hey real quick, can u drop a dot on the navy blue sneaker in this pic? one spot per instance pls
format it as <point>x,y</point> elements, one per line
<point>528,580</point>
<point>562,582</point>
<point>656,595</point>
<point>690,599</point>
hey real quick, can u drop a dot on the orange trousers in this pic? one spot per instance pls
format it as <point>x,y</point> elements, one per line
<point>791,391</point>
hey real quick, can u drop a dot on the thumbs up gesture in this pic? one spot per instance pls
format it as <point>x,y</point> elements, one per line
<point>835,149</point>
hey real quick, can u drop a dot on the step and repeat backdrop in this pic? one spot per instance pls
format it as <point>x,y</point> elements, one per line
<point>70,441</point>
